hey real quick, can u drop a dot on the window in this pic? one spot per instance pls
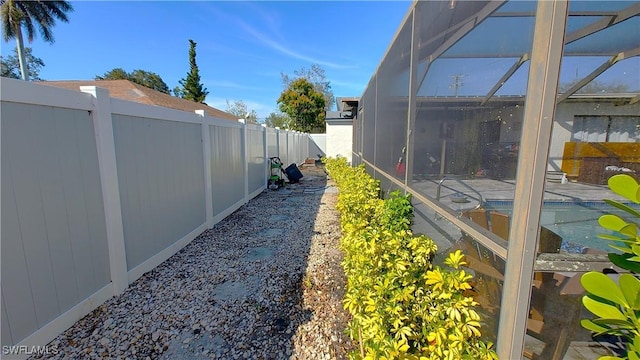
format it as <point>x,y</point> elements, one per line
<point>606,129</point>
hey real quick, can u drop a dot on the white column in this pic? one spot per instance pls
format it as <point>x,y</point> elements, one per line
<point>103,129</point>
<point>265,151</point>
<point>245,155</point>
<point>278,141</point>
<point>206,152</point>
<point>286,147</point>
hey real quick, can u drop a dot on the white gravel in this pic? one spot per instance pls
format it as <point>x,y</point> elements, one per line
<point>265,283</point>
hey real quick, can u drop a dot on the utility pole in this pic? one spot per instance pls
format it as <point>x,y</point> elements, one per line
<point>456,83</point>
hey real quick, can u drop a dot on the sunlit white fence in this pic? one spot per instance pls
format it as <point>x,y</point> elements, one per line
<point>97,191</point>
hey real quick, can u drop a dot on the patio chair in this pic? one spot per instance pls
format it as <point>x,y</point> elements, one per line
<point>479,216</point>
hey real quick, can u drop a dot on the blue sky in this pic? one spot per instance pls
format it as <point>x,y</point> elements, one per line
<point>242,47</point>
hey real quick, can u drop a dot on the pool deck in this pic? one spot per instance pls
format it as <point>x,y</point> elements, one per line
<point>504,190</point>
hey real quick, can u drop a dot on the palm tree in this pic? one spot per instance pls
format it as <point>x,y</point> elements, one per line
<point>18,14</point>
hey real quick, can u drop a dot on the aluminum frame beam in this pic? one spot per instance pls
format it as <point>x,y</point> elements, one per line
<point>595,73</point>
<point>544,72</point>
<point>524,58</point>
<point>466,26</point>
<point>608,21</point>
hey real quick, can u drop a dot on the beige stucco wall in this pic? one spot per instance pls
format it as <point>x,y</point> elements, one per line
<point>563,124</point>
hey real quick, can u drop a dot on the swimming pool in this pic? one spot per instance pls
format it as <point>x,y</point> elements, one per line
<point>576,223</point>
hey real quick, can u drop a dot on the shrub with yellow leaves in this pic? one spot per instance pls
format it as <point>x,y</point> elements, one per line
<point>402,306</point>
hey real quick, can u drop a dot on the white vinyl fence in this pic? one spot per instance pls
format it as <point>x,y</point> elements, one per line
<point>97,191</point>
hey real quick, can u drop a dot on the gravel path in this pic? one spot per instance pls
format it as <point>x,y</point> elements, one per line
<point>265,283</point>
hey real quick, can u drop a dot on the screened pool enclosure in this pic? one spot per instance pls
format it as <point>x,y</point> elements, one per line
<point>493,113</point>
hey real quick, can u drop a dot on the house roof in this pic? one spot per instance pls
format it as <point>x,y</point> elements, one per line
<point>130,91</point>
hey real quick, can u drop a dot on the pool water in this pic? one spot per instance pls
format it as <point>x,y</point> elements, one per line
<point>576,223</point>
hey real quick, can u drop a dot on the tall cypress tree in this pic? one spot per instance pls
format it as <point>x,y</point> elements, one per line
<point>192,89</point>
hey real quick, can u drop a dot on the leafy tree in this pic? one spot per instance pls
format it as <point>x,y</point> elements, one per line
<point>317,77</point>
<point>239,109</point>
<point>192,89</point>
<point>178,92</point>
<point>141,77</point>
<point>150,80</point>
<point>304,105</point>
<point>278,120</point>
<point>10,67</point>
<point>596,87</point>
<point>114,74</point>
<point>17,15</point>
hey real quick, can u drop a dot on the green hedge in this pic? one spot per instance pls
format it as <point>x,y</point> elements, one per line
<point>402,306</point>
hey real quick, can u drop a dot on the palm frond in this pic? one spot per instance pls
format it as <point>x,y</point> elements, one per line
<point>32,14</point>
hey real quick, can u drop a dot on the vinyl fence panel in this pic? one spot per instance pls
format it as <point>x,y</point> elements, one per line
<point>255,158</point>
<point>227,167</point>
<point>53,230</point>
<point>291,146</point>
<point>161,178</point>
<point>282,147</point>
<point>272,142</point>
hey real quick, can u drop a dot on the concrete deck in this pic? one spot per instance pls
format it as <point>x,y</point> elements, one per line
<point>504,190</point>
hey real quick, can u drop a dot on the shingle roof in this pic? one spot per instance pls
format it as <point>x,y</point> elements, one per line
<point>130,91</point>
